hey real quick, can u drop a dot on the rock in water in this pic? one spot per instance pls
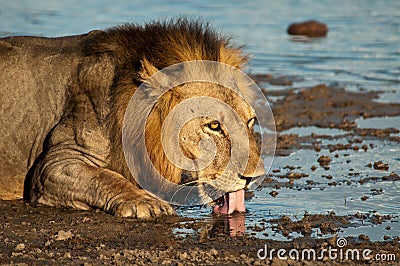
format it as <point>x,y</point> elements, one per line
<point>309,28</point>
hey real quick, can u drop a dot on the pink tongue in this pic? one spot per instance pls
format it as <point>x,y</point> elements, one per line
<point>233,201</point>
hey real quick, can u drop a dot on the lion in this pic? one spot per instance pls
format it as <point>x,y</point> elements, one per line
<point>62,107</point>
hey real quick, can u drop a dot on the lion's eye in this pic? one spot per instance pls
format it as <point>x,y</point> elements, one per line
<point>214,125</point>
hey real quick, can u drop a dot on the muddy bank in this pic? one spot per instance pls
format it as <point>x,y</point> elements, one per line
<point>326,106</point>
<point>43,236</point>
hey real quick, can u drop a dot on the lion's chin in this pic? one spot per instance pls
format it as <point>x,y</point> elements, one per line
<point>232,201</point>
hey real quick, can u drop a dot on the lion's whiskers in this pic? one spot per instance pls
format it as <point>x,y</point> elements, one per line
<point>190,183</point>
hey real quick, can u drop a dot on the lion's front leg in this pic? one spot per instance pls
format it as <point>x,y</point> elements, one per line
<point>81,186</point>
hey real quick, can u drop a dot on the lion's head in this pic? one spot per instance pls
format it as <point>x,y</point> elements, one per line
<point>223,124</point>
<point>203,138</point>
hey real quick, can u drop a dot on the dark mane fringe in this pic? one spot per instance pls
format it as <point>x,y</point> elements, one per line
<point>162,44</point>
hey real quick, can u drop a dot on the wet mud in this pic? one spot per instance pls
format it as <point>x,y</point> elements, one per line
<point>43,236</point>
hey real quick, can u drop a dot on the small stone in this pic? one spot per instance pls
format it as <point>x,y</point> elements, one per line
<point>363,237</point>
<point>62,235</point>
<point>364,147</point>
<point>324,160</point>
<point>364,198</point>
<point>183,256</point>
<point>37,251</point>
<point>166,262</point>
<point>274,193</point>
<point>193,254</point>
<point>214,252</point>
<point>381,166</point>
<point>20,247</point>
<point>16,254</point>
<point>86,219</point>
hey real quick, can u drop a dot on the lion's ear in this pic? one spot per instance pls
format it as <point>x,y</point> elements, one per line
<point>147,69</point>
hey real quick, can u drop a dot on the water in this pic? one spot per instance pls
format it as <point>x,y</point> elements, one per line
<point>362,50</point>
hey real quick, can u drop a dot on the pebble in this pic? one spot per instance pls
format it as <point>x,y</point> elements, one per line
<point>214,252</point>
<point>364,198</point>
<point>324,160</point>
<point>381,166</point>
<point>20,247</point>
<point>363,237</point>
<point>274,193</point>
<point>183,256</point>
<point>62,235</point>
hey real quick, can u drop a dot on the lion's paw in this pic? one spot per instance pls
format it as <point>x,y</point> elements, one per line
<point>143,207</point>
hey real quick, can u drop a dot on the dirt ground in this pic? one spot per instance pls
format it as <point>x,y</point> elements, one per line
<point>51,236</point>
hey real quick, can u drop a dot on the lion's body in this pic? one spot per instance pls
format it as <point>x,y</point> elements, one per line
<point>35,74</point>
<point>62,104</point>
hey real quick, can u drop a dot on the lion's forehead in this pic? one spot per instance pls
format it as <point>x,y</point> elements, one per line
<point>236,102</point>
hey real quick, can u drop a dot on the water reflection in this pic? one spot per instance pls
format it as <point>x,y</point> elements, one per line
<point>232,225</point>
